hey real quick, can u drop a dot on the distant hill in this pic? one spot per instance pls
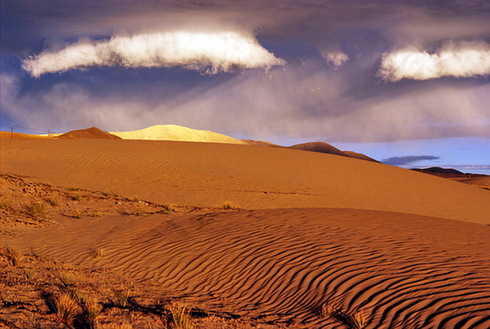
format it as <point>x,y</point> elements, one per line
<point>359,156</point>
<point>177,133</point>
<point>477,180</point>
<point>439,170</point>
<point>260,143</point>
<point>92,133</point>
<point>322,147</point>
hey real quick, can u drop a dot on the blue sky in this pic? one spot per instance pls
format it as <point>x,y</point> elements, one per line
<point>386,78</point>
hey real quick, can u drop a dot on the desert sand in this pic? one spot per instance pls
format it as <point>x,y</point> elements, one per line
<point>247,236</point>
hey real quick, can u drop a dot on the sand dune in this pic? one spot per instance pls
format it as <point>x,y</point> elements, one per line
<point>93,132</point>
<point>359,156</point>
<point>177,133</point>
<point>398,270</point>
<point>298,256</point>
<point>252,177</point>
<point>12,135</point>
<point>322,147</point>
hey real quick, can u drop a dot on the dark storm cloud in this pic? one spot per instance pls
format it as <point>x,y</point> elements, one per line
<point>330,88</point>
<point>408,160</point>
<point>309,20</point>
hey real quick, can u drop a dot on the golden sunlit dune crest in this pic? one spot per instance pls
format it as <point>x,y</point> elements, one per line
<point>177,133</point>
<point>13,135</point>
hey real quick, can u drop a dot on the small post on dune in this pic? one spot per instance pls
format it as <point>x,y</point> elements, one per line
<point>49,132</point>
<point>11,131</point>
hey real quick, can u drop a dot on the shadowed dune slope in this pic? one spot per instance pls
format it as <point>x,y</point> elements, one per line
<point>399,270</point>
<point>93,132</point>
<point>359,156</point>
<point>252,177</point>
<point>322,147</point>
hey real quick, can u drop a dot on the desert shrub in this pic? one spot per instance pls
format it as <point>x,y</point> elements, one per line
<point>67,279</point>
<point>122,298</point>
<point>35,208</point>
<point>74,197</point>
<point>95,213</point>
<point>228,206</point>
<point>77,214</point>
<point>134,198</point>
<point>52,202</point>
<point>353,320</point>
<point>66,308</point>
<point>91,311</point>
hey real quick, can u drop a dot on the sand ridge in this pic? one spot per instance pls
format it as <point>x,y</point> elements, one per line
<point>252,177</point>
<point>285,264</point>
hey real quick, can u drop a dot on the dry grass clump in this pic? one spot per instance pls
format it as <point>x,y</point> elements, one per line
<point>228,205</point>
<point>66,308</point>
<point>67,279</point>
<point>35,208</point>
<point>77,214</point>
<point>92,310</point>
<point>135,198</point>
<point>122,298</point>
<point>73,196</point>
<point>52,202</point>
<point>95,213</point>
<point>13,256</point>
<point>98,253</point>
<point>180,316</point>
<point>353,320</point>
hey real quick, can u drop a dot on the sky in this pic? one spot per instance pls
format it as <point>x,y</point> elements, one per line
<point>405,82</point>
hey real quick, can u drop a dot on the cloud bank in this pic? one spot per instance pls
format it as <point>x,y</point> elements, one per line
<point>208,52</point>
<point>409,159</point>
<point>459,59</point>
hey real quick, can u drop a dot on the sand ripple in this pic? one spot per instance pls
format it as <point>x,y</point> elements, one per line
<point>399,270</point>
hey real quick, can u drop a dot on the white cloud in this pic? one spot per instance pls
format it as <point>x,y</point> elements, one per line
<point>459,59</point>
<point>209,52</point>
<point>335,58</point>
<point>252,105</point>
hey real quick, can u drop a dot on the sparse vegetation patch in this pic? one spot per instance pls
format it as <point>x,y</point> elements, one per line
<point>228,205</point>
<point>35,208</point>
